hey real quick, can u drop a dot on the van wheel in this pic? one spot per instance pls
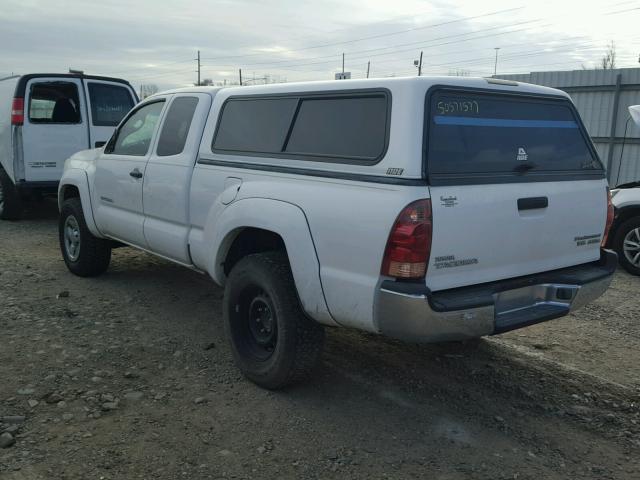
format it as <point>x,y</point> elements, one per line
<point>273,342</point>
<point>84,254</point>
<point>627,245</point>
<point>10,201</point>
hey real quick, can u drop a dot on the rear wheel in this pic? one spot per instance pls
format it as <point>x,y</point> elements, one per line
<point>10,201</point>
<point>627,245</point>
<point>84,254</point>
<point>273,342</point>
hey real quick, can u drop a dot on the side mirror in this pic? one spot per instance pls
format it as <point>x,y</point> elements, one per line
<point>112,142</point>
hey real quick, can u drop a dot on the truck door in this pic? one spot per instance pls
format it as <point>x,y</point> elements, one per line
<point>117,192</point>
<point>55,126</point>
<point>167,178</point>
<point>108,103</point>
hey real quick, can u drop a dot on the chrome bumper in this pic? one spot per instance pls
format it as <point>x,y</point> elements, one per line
<point>415,316</point>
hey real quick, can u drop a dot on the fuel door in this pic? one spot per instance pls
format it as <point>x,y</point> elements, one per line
<point>231,189</point>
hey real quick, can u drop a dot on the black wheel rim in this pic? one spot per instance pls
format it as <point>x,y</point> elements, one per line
<point>255,325</point>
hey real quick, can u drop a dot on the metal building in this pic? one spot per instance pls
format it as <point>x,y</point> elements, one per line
<point>602,98</point>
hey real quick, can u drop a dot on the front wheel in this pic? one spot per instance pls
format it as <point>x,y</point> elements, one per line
<point>84,254</point>
<point>273,342</point>
<point>627,245</point>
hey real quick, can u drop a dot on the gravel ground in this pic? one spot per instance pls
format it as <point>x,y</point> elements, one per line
<point>128,376</point>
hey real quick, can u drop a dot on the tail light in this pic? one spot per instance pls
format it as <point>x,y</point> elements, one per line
<point>610,214</point>
<point>17,111</point>
<point>409,244</point>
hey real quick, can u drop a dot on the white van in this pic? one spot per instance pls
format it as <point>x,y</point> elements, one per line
<point>44,119</point>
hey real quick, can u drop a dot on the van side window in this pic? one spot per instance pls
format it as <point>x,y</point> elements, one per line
<point>134,136</point>
<point>176,126</point>
<point>54,102</point>
<point>109,103</point>
<point>331,127</point>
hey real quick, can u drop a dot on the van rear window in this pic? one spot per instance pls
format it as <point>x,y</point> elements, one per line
<point>478,133</point>
<point>54,102</point>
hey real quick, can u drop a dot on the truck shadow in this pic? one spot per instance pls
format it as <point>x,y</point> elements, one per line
<point>42,210</point>
<point>379,402</point>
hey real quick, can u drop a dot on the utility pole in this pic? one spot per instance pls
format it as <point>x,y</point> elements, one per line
<point>198,60</point>
<point>240,70</point>
<point>368,66</point>
<point>495,65</point>
<point>342,62</point>
<point>420,66</point>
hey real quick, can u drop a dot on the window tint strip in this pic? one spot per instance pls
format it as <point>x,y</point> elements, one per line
<point>502,122</point>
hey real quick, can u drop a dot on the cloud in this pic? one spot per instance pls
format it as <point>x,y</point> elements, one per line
<point>156,41</point>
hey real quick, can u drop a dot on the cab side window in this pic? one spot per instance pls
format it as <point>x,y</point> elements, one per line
<point>134,136</point>
<point>176,126</point>
<point>54,102</point>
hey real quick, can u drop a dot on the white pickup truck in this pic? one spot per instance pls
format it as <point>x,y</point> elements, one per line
<point>426,209</point>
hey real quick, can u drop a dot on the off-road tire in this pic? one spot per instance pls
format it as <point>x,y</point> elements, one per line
<point>10,203</point>
<point>94,253</point>
<point>618,244</point>
<point>298,340</point>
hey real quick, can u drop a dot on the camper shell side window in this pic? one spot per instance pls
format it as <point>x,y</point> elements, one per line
<point>329,126</point>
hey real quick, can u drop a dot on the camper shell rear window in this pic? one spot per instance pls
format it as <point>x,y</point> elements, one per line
<point>492,136</point>
<point>340,127</point>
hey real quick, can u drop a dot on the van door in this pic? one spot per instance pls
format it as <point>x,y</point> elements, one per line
<point>516,187</point>
<point>120,169</point>
<point>108,103</point>
<point>55,126</point>
<point>167,178</point>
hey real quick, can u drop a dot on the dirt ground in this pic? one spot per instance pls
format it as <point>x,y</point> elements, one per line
<point>128,376</point>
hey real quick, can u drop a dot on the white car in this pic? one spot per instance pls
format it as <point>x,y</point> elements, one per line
<point>426,209</point>
<point>44,119</point>
<point>625,232</point>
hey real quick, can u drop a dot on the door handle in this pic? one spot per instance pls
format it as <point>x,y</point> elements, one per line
<point>531,203</point>
<point>135,173</point>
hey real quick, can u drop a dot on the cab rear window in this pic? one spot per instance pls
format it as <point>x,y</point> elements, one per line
<point>480,133</point>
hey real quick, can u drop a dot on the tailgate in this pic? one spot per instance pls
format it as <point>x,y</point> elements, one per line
<point>516,187</point>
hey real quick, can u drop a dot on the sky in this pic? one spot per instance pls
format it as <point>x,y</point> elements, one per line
<point>156,42</point>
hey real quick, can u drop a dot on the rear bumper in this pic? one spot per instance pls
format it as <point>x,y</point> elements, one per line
<point>411,312</point>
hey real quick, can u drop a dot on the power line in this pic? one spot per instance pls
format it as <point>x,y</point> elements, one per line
<point>393,50</point>
<point>422,43</point>
<point>382,35</point>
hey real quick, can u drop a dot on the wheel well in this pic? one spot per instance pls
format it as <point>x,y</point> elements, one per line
<point>622,216</point>
<point>252,240</point>
<point>70,191</point>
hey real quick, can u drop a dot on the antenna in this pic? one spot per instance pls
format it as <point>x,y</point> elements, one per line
<point>624,139</point>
